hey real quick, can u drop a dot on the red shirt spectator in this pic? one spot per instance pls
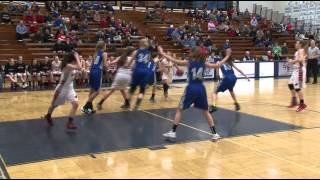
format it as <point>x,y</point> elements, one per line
<point>290,26</point>
<point>29,19</point>
<point>104,23</point>
<point>118,24</point>
<point>40,19</point>
<point>34,28</point>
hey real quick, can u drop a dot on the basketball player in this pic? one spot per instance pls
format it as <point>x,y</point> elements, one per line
<point>229,80</point>
<point>122,79</point>
<point>195,93</point>
<point>154,66</point>
<point>141,72</point>
<point>166,69</point>
<point>95,77</point>
<point>298,78</point>
<point>65,90</point>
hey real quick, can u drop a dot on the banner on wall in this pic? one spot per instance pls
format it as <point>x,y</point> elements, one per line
<point>285,69</point>
<point>266,69</point>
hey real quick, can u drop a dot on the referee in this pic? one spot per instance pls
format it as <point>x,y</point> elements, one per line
<point>312,68</point>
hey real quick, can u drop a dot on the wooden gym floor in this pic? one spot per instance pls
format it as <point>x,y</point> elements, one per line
<point>292,153</point>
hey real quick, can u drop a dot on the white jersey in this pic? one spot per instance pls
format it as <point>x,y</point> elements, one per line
<point>299,73</point>
<point>167,73</point>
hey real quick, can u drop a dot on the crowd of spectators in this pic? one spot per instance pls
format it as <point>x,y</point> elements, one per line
<point>67,33</point>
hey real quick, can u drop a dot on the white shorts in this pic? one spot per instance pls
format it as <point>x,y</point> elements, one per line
<point>56,73</point>
<point>66,95</point>
<point>122,79</point>
<point>298,78</point>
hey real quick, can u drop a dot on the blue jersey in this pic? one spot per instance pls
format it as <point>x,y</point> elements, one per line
<point>142,58</point>
<point>97,64</point>
<point>227,71</point>
<point>151,65</point>
<point>196,72</point>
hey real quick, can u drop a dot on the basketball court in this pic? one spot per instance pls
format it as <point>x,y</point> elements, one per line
<point>264,140</point>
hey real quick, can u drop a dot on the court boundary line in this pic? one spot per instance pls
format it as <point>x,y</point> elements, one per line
<point>242,145</point>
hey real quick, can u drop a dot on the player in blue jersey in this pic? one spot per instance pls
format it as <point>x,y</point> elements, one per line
<point>141,72</point>
<point>229,80</point>
<point>95,77</point>
<point>195,93</point>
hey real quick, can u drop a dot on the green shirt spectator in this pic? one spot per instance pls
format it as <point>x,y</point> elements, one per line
<point>276,51</point>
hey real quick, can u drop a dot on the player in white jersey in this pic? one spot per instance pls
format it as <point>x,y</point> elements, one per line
<point>297,81</point>
<point>56,69</point>
<point>65,90</point>
<point>122,78</point>
<point>166,69</point>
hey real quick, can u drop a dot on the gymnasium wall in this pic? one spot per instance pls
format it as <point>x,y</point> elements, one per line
<point>275,5</point>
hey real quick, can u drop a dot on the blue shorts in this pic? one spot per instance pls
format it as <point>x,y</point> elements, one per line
<point>195,94</point>
<point>95,79</point>
<point>227,84</point>
<point>141,78</point>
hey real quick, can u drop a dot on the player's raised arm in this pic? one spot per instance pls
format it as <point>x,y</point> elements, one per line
<point>240,71</point>
<point>172,59</point>
<point>78,65</point>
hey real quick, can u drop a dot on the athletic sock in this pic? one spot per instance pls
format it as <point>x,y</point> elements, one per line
<point>213,130</point>
<point>174,128</point>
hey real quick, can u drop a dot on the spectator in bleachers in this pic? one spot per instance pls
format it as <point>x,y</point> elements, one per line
<point>226,45</point>
<point>208,43</point>
<point>56,70</point>
<point>285,50</point>
<point>5,17</point>
<point>96,16</point>
<point>34,32</point>
<point>21,31</point>
<point>21,70</point>
<point>169,32</point>
<point>28,17</point>
<point>58,22</point>
<point>269,56</point>
<point>260,38</point>
<point>10,73</point>
<point>117,38</point>
<point>104,23</point>
<point>34,74</point>
<point>68,46</point>
<point>212,26</point>
<point>244,31</point>
<point>45,72</point>
<point>35,7</point>
<point>74,24</point>
<point>254,22</point>
<point>12,8</point>
<point>248,57</point>
<point>246,13</point>
<point>276,51</point>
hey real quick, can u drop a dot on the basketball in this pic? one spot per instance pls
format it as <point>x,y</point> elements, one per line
<point>179,72</point>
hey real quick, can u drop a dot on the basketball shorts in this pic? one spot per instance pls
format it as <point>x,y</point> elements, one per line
<point>141,78</point>
<point>194,94</point>
<point>122,79</point>
<point>66,95</point>
<point>298,78</point>
<point>226,84</point>
<point>95,79</point>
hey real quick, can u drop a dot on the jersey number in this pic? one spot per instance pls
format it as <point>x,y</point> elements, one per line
<point>197,75</point>
<point>96,61</point>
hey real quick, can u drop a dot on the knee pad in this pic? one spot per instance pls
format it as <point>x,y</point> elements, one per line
<point>165,88</point>
<point>291,87</point>
<point>298,90</point>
